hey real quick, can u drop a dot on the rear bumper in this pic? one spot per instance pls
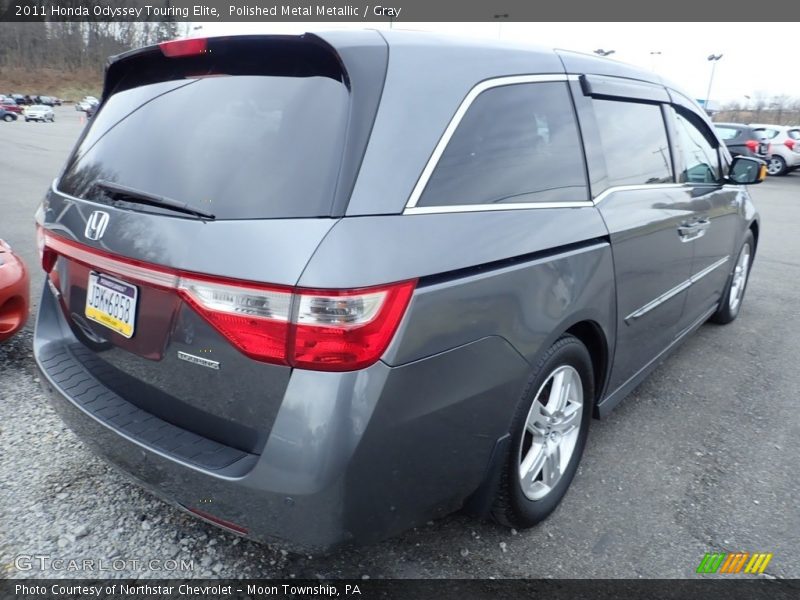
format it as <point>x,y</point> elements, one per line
<point>351,457</point>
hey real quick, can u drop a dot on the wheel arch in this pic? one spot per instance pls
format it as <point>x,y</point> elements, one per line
<point>592,336</point>
<point>754,227</point>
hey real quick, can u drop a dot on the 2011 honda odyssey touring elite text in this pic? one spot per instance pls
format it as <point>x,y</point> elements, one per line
<point>391,276</point>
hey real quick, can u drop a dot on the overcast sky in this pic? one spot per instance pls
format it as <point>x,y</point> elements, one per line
<point>758,58</point>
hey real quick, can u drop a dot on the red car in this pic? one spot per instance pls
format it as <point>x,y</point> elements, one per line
<point>14,296</point>
<point>11,106</point>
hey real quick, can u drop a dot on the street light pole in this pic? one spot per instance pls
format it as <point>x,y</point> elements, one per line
<point>713,58</point>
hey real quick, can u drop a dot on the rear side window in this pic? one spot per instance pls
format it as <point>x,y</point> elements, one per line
<point>634,141</point>
<point>794,134</point>
<point>515,144</point>
<point>243,146</point>
<point>726,133</point>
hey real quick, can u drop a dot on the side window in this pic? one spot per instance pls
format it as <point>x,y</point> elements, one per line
<point>700,160</point>
<point>634,142</point>
<point>766,132</point>
<point>515,144</point>
<point>726,133</point>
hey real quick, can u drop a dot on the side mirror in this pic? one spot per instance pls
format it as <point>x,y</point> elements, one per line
<point>747,171</point>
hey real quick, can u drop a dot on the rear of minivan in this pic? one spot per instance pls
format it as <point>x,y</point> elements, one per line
<point>243,312</point>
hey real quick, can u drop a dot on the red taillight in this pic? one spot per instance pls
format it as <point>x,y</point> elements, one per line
<point>47,255</point>
<point>790,144</point>
<point>324,330</point>
<point>752,145</point>
<point>346,330</point>
<point>254,319</point>
<point>188,47</point>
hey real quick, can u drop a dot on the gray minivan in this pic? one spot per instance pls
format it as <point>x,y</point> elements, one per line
<point>322,288</point>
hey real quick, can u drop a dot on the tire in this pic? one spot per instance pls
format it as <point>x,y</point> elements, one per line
<point>776,166</point>
<point>8,118</point>
<point>732,298</point>
<point>536,434</point>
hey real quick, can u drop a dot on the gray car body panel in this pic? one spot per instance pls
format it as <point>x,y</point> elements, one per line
<point>357,456</point>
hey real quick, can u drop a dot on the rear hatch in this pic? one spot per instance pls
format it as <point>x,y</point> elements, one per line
<point>189,209</point>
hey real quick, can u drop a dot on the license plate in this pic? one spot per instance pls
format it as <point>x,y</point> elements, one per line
<point>111,303</point>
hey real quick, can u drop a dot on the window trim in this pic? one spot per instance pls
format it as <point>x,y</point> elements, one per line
<point>411,205</point>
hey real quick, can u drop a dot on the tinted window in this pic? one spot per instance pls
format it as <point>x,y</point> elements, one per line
<point>726,133</point>
<point>271,149</point>
<point>794,134</point>
<point>699,158</point>
<point>634,142</point>
<point>766,133</point>
<point>516,143</point>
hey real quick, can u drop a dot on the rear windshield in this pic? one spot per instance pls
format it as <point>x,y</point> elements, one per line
<point>239,147</point>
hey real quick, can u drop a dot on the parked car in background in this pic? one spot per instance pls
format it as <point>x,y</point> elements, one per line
<point>784,147</point>
<point>742,140</point>
<point>43,100</point>
<point>10,105</point>
<point>19,98</point>
<point>7,115</point>
<point>438,316</point>
<point>14,292</point>
<point>56,101</point>
<point>39,112</point>
<point>85,103</point>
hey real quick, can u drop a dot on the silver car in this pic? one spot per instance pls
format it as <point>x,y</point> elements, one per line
<point>784,143</point>
<point>392,276</point>
<point>39,112</point>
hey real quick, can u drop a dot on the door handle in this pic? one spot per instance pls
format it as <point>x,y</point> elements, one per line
<point>694,230</point>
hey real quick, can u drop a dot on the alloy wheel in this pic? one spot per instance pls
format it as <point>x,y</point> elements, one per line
<point>551,432</point>
<point>775,166</point>
<point>739,278</point>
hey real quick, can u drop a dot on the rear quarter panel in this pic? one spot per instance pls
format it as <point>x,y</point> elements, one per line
<point>522,275</point>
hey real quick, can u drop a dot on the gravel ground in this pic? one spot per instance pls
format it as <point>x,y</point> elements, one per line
<point>702,457</point>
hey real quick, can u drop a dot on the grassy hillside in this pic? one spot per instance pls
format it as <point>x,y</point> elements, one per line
<point>70,86</point>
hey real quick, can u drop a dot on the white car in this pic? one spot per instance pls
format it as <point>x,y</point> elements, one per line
<point>87,103</point>
<point>38,112</point>
<point>784,147</point>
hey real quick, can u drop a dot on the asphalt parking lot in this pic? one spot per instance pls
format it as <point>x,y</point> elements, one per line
<point>702,457</point>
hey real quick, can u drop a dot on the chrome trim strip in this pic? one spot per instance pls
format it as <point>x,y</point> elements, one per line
<point>465,208</point>
<point>700,274</point>
<point>658,301</point>
<point>461,111</point>
<point>675,291</point>
<point>625,188</point>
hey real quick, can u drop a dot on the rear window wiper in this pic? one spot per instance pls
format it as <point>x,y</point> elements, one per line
<point>135,196</point>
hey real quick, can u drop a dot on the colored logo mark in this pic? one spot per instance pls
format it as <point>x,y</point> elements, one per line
<point>734,562</point>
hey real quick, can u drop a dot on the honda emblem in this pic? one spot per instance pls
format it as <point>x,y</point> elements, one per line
<point>96,225</point>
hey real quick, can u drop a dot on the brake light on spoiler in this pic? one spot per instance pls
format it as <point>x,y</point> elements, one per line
<point>185,47</point>
<point>323,330</point>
